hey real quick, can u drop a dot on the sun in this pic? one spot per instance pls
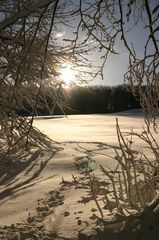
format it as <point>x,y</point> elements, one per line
<point>67,74</point>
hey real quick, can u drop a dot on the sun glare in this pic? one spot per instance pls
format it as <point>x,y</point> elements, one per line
<point>67,75</point>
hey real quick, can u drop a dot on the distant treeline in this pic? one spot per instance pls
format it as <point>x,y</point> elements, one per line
<point>85,100</point>
<point>101,99</point>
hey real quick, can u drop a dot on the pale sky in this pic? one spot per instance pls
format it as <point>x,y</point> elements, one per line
<point>116,65</point>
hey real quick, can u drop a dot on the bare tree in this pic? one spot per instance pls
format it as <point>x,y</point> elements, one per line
<point>108,22</point>
<point>32,52</point>
<point>30,56</point>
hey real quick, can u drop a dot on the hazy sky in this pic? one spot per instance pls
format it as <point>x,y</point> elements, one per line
<point>116,65</point>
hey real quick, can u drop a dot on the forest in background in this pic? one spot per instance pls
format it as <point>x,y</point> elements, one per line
<point>84,100</point>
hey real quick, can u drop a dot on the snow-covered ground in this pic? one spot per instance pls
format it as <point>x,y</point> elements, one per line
<point>89,128</point>
<point>23,184</point>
